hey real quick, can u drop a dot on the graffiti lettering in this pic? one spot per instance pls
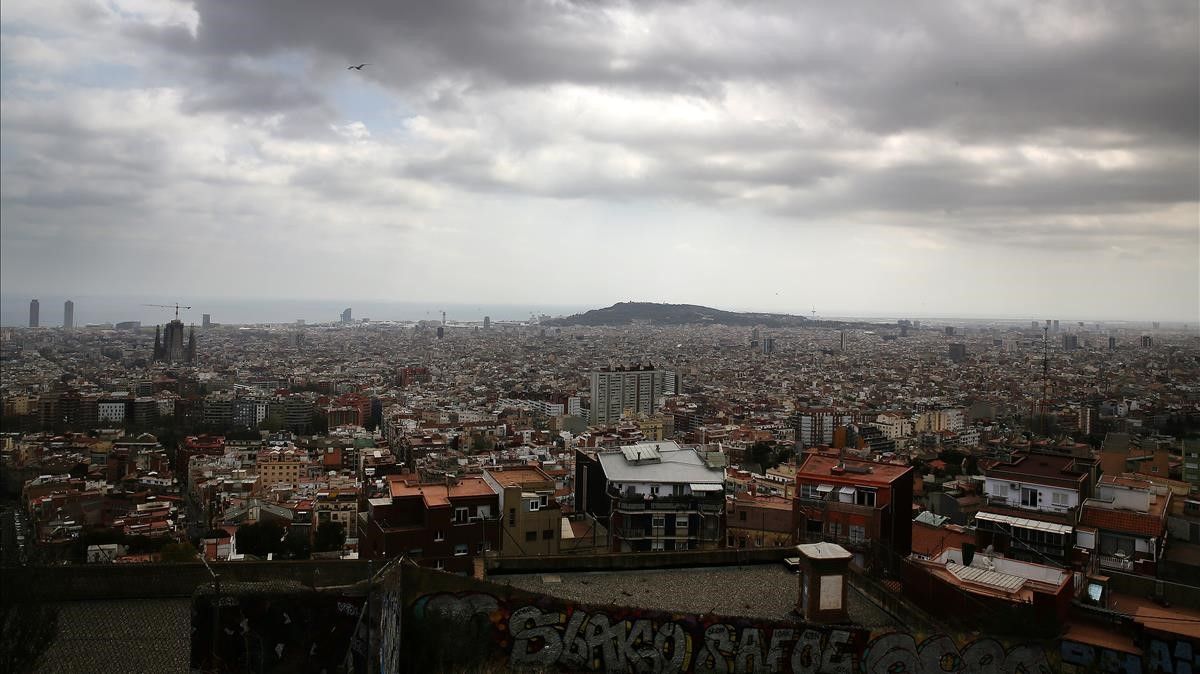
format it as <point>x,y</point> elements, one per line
<point>899,652</point>
<point>1161,657</point>
<point>586,641</point>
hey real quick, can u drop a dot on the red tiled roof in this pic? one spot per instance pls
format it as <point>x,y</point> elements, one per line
<point>1122,521</point>
<point>821,466</point>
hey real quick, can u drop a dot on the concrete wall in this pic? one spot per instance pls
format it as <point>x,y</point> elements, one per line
<point>130,581</point>
<point>641,560</point>
<point>434,622</point>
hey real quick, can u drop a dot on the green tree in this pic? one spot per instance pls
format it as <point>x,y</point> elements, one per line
<point>297,546</point>
<point>763,454</point>
<point>178,552</point>
<point>331,536</point>
<point>261,539</point>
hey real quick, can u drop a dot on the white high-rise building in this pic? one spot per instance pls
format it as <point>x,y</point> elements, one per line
<point>636,389</point>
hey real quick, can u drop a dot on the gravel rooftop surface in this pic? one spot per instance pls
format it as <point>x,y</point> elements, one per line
<point>128,635</point>
<point>759,591</point>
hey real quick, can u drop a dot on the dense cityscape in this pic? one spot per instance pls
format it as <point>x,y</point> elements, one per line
<point>1003,465</point>
<point>689,337</point>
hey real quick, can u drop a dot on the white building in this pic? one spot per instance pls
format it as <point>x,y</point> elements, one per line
<point>637,389</point>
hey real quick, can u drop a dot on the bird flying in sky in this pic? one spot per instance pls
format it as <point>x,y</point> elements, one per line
<point>358,67</point>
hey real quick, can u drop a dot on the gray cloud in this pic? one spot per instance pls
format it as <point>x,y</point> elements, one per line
<point>1073,126</point>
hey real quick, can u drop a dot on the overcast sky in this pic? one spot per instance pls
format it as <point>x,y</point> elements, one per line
<point>1012,158</point>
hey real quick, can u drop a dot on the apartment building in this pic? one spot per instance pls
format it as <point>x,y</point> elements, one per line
<point>1125,524</point>
<point>282,465</point>
<point>443,526</point>
<point>1031,505</point>
<point>858,504</point>
<point>656,496</point>
<point>530,518</point>
<point>635,389</point>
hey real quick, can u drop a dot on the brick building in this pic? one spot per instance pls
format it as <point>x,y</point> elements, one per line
<point>858,504</point>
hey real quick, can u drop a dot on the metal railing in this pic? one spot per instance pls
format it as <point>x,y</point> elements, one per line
<point>1119,563</point>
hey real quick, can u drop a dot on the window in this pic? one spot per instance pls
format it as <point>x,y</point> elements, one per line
<point>1059,498</point>
<point>835,529</point>
<point>460,549</point>
<point>677,490</point>
<point>530,536</point>
<point>865,498</point>
<point>461,515</point>
<point>439,535</point>
<point>479,548</point>
<point>512,517</point>
<point>548,535</point>
<point>808,491</point>
<point>654,490</point>
<point>857,534</point>
<point>1029,497</point>
<point>543,500</point>
<point>533,506</point>
<point>484,511</point>
<point>659,521</point>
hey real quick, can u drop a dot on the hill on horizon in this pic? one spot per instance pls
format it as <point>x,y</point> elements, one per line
<point>624,313</point>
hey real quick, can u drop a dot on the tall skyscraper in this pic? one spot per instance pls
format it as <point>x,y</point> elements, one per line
<point>205,320</point>
<point>34,310</point>
<point>68,314</point>
<point>949,331</point>
<point>346,315</point>
<point>636,389</point>
<point>487,322</point>
<point>1070,342</point>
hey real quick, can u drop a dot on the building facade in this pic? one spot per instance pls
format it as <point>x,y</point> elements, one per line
<point>636,389</point>
<point>862,505</point>
<point>657,496</point>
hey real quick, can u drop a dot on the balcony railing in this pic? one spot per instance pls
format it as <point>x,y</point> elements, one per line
<point>833,505</point>
<point>1119,563</point>
<point>668,504</point>
<point>1049,509</point>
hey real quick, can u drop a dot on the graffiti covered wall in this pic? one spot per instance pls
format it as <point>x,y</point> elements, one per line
<point>452,623</point>
<point>270,628</point>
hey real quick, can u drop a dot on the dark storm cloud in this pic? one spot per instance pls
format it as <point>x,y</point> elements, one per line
<point>969,68</point>
<point>913,114</point>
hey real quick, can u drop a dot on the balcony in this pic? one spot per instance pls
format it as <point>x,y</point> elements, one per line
<point>829,505</point>
<point>665,504</point>
<point>1118,563</point>
<point>1053,511</point>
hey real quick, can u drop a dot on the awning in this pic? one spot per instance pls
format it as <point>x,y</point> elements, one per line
<point>824,488</point>
<point>1023,523</point>
<point>706,487</point>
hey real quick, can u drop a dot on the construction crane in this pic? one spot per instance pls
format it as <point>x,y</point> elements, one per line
<point>176,307</point>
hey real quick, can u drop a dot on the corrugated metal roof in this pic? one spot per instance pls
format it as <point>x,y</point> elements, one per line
<point>1023,522</point>
<point>971,574</point>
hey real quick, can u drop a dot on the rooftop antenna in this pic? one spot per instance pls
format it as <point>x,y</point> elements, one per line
<point>176,307</point>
